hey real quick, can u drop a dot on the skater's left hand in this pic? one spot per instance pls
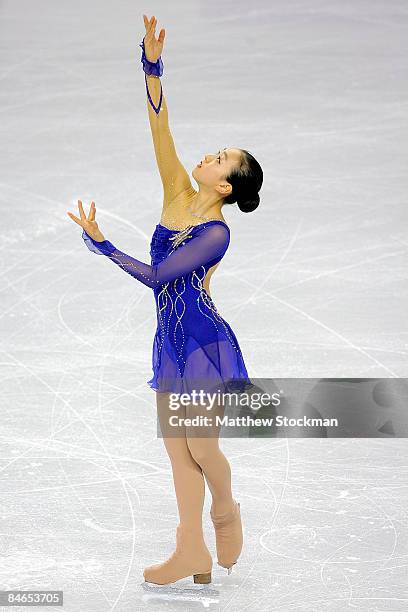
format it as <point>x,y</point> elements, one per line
<point>88,223</point>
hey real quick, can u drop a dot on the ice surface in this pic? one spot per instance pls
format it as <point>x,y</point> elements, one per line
<point>314,284</point>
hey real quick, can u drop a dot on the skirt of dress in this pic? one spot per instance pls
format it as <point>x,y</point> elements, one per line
<point>215,366</point>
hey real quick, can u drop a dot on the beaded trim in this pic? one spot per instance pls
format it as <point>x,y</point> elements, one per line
<point>179,317</point>
<point>200,290</point>
<point>159,312</point>
<point>117,256</point>
<point>207,301</point>
<point>179,238</point>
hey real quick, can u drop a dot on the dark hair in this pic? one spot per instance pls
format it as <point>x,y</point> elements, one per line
<point>246,180</point>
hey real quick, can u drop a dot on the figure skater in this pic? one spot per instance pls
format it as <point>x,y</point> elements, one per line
<point>192,340</point>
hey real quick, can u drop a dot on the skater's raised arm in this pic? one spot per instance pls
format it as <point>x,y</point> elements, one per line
<point>174,176</point>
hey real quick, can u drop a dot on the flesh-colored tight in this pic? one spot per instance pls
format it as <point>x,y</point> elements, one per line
<point>193,458</point>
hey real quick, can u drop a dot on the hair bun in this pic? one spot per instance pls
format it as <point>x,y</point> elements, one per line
<point>249,204</point>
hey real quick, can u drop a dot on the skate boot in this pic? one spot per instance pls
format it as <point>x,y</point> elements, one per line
<point>191,558</point>
<point>229,537</point>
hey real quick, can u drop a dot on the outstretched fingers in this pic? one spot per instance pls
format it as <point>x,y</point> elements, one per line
<point>150,26</point>
<point>92,211</point>
<point>81,210</point>
<point>84,219</point>
<point>74,218</point>
<point>147,22</point>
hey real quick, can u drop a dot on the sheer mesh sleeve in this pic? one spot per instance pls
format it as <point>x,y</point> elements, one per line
<point>207,247</point>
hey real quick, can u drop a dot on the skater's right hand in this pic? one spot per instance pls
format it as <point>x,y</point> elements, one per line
<point>88,223</point>
<point>153,47</point>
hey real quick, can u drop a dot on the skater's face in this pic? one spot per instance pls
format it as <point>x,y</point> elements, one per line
<point>214,167</point>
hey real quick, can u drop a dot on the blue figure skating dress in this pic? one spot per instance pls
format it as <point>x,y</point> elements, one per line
<point>193,345</point>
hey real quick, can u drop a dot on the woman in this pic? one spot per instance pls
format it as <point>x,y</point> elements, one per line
<point>192,341</point>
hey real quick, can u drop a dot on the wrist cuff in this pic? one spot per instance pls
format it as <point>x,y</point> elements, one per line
<point>104,247</point>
